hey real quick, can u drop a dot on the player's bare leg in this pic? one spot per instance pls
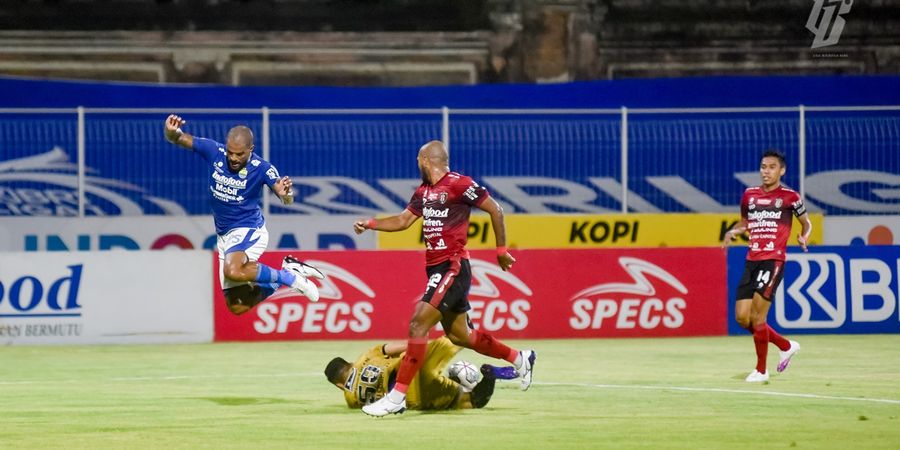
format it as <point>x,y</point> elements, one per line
<point>238,267</point>
<point>456,327</point>
<point>742,313</point>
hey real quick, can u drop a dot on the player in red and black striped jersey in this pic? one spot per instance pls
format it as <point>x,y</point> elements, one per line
<point>444,201</point>
<point>766,213</point>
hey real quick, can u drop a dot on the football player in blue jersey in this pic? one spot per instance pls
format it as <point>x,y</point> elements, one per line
<point>236,179</point>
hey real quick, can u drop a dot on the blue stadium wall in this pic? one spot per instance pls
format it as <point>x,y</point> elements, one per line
<point>641,93</point>
<point>535,163</point>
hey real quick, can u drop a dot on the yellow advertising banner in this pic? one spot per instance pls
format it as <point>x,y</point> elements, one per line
<point>593,231</point>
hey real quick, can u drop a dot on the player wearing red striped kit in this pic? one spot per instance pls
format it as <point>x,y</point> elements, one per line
<point>444,200</point>
<point>766,212</point>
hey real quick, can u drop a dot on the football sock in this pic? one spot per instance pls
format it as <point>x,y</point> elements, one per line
<point>412,362</point>
<point>265,274</point>
<point>775,338</point>
<point>761,340</point>
<point>486,345</point>
<point>779,340</point>
<point>396,396</point>
<point>501,373</point>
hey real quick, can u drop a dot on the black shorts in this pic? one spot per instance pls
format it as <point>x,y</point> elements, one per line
<point>760,276</point>
<point>448,286</point>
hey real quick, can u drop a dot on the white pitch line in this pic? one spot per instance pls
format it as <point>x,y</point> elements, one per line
<point>721,390</point>
<point>539,383</point>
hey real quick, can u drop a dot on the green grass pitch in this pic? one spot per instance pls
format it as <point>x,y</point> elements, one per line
<point>840,392</point>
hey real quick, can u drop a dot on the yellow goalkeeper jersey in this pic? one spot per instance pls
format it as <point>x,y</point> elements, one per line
<point>373,374</point>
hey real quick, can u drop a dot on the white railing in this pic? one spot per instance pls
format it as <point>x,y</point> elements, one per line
<point>445,113</point>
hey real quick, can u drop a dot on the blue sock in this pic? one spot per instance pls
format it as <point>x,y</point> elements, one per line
<point>286,277</point>
<point>265,274</point>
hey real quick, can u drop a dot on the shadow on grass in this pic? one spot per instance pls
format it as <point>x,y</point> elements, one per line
<point>245,401</point>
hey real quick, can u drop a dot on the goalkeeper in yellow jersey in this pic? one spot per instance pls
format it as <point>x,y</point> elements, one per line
<point>373,374</point>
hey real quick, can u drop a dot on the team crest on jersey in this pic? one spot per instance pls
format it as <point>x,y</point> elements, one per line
<point>443,198</point>
<point>778,203</point>
<point>243,173</point>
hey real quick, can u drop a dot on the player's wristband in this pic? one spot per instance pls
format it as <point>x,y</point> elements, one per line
<point>502,250</point>
<point>383,352</point>
<point>370,224</point>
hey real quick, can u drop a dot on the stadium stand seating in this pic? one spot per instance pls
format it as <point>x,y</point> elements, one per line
<point>432,42</point>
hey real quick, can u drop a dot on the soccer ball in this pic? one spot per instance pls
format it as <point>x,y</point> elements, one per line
<point>464,373</point>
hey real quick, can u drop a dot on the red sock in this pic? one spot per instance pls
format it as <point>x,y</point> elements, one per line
<point>777,339</point>
<point>412,362</point>
<point>761,340</point>
<point>486,345</point>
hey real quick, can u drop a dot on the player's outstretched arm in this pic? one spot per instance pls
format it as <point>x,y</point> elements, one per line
<point>399,222</point>
<point>283,188</point>
<point>490,206</point>
<point>736,230</point>
<point>175,135</point>
<point>393,348</point>
<point>806,225</point>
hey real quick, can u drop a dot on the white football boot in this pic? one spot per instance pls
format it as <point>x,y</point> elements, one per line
<point>305,270</point>
<point>756,377</point>
<point>384,407</point>
<point>301,284</point>
<point>787,355</point>
<point>526,370</point>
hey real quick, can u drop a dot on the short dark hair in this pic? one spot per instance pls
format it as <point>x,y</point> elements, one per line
<point>775,153</point>
<point>335,369</point>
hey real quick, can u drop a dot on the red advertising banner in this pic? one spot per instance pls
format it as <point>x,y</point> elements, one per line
<point>548,294</point>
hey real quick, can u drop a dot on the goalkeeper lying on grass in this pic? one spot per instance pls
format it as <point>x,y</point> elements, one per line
<point>373,374</point>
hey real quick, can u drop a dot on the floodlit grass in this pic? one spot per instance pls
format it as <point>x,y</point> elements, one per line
<point>840,392</point>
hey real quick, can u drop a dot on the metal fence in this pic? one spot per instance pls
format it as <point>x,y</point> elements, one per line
<point>845,160</point>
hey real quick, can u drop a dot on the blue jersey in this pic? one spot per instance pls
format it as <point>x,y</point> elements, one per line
<point>235,197</point>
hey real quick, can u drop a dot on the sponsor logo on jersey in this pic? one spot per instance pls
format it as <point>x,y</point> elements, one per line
<point>761,215</point>
<point>228,181</point>
<point>470,192</point>
<point>430,212</point>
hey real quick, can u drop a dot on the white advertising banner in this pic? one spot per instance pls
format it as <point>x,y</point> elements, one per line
<point>862,230</point>
<point>105,297</point>
<point>172,232</point>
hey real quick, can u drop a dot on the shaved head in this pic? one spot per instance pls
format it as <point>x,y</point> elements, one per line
<point>433,161</point>
<point>238,147</point>
<point>241,135</point>
<point>434,151</point>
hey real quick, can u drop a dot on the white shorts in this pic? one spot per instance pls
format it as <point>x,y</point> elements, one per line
<point>252,241</point>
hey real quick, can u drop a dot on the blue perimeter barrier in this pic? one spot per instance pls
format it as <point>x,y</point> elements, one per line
<point>830,290</point>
